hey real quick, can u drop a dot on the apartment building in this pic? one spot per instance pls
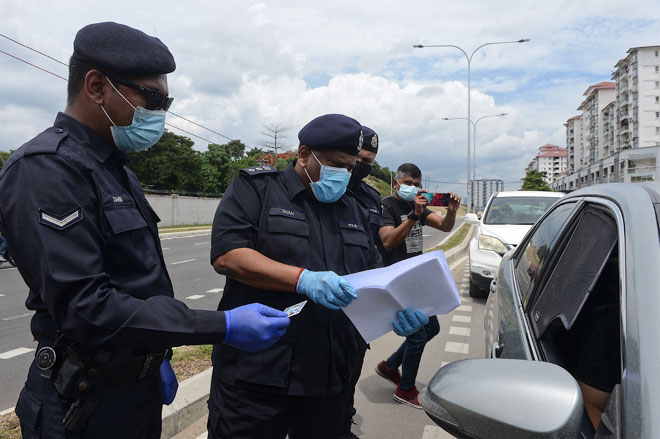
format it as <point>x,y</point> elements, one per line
<point>481,190</point>
<point>552,160</point>
<point>620,137</point>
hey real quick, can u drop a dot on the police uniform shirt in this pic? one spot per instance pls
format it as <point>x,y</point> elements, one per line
<point>272,212</point>
<point>370,199</point>
<point>86,243</point>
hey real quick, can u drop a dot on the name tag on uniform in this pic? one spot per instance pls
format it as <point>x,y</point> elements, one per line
<point>353,225</point>
<point>374,211</point>
<point>283,211</point>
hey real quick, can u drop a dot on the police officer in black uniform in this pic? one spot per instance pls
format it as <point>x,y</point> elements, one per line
<point>369,198</point>
<point>366,194</point>
<point>85,241</point>
<point>275,234</point>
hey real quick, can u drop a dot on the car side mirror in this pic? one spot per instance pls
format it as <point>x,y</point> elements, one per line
<point>471,218</point>
<point>496,398</point>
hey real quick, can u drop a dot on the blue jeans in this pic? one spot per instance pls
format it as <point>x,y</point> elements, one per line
<point>409,355</point>
<point>3,246</point>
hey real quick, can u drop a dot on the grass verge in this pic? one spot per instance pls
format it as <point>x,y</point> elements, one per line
<point>455,239</point>
<point>191,360</point>
<point>10,427</point>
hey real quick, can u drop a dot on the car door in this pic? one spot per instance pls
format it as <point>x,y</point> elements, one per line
<point>507,332</point>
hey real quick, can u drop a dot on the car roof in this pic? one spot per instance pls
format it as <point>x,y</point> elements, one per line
<point>529,194</point>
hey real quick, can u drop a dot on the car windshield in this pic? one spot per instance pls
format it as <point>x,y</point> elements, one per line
<point>517,210</point>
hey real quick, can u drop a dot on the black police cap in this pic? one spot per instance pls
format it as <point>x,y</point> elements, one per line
<point>370,142</point>
<point>120,49</point>
<point>333,131</point>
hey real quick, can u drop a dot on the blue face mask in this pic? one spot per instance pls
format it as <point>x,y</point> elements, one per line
<point>145,130</point>
<point>332,182</point>
<point>407,193</point>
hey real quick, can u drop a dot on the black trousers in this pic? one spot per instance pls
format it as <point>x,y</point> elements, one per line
<point>238,413</point>
<point>127,411</point>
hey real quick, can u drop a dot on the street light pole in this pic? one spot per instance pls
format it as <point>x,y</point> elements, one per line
<point>469,61</point>
<point>474,146</point>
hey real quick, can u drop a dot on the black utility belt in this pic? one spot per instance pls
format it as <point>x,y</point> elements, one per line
<point>120,367</point>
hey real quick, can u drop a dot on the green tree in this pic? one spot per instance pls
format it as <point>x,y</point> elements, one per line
<point>221,163</point>
<point>534,181</point>
<point>3,157</point>
<point>382,173</point>
<point>171,164</point>
<point>256,152</point>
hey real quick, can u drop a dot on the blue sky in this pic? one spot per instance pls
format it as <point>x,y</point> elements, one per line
<point>243,63</point>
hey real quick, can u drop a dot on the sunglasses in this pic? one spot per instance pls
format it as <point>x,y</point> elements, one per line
<point>155,100</point>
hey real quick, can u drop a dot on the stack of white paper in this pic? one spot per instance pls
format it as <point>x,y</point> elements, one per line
<point>423,283</point>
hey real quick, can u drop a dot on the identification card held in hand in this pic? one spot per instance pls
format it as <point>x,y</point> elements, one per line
<point>295,309</point>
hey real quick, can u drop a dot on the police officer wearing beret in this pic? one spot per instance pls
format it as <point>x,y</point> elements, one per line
<point>369,199</point>
<point>85,241</point>
<point>282,237</point>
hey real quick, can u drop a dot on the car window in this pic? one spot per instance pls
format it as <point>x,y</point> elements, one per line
<point>517,210</point>
<point>575,270</point>
<point>538,248</point>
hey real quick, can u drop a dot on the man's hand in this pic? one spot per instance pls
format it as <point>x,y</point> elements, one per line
<point>420,203</point>
<point>326,288</point>
<point>454,202</point>
<point>168,381</point>
<point>408,322</point>
<point>254,327</point>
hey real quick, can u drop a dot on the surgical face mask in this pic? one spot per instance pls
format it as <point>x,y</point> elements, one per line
<point>407,193</point>
<point>332,182</point>
<point>360,171</point>
<point>145,130</point>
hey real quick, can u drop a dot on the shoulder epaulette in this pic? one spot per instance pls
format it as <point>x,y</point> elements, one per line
<point>258,170</point>
<point>45,143</point>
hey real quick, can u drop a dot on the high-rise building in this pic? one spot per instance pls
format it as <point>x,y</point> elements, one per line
<point>551,159</point>
<point>617,136</point>
<point>481,190</point>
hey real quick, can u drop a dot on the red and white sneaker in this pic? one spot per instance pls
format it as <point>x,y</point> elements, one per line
<point>387,373</point>
<point>408,397</point>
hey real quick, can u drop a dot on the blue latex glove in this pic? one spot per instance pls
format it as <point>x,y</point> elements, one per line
<point>254,327</point>
<point>168,381</point>
<point>326,288</point>
<point>408,322</point>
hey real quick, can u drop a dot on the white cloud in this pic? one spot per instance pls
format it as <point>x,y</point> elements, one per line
<point>242,63</point>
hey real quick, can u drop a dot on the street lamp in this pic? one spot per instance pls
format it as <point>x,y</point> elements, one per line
<point>474,144</point>
<point>469,60</point>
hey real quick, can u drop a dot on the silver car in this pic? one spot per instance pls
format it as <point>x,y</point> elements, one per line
<point>580,298</point>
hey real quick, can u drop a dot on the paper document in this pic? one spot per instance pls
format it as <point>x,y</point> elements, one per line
<point>423,283</point>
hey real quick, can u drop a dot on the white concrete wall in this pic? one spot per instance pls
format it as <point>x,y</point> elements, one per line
<point>176,210</point>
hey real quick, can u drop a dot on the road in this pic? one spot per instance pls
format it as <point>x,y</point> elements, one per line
<point>195,282</point>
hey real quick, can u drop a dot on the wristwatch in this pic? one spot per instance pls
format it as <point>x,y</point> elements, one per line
<point>412,216</point>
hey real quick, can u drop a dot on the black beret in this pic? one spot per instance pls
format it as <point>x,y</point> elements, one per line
<point>370,142</point>
<point>333,131</point>
<point>120,49</point>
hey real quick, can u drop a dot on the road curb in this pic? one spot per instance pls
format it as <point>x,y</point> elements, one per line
<point>454,253</point>
<point>189,404</point>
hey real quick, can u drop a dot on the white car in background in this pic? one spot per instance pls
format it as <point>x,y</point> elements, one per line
<point>506,219</point>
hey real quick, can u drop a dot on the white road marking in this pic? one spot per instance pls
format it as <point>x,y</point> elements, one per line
<point>195,296</point>
<point>457,348</point>
<point>166,248</point>
<point>457,330</point>
<point>444,363</point>
<point>465,308</point>
<point>203,436</point>
<point>2,295</point>
<point>187,236</point>
<point>203,243</point>
<point>8,411</point>
<point>216,290</point>
<point>183,262</point>
<point>461,319</point>
<point>15,353</point>
<point>457,263</point>
<point>6,319</point>
<point>8,268</point>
